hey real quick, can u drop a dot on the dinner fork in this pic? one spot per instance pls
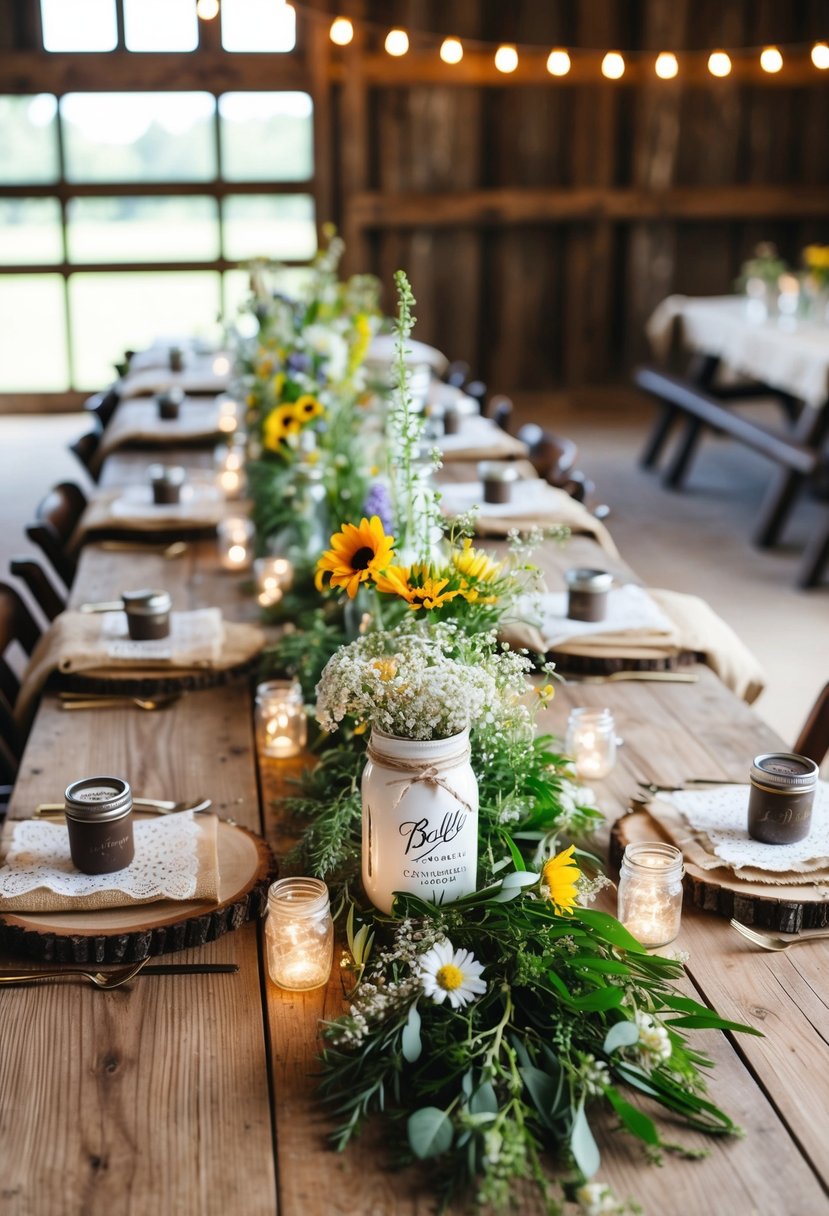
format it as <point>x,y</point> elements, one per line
<point>101,979</point>
<point>656,677</point>
<point>154,806</point>
<point>767,941</point>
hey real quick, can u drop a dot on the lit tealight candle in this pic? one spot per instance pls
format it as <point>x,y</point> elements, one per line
<point>229,463</point>
<point>299,934</point>
<point>221,365</point>
<point>274,576</point>
<point>591,742</point>
<point>229,414</point>
<point>281,722</point>
<point>650,892</point>
<point>235,536</point>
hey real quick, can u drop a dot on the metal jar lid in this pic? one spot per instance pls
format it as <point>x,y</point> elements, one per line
<point>146,603</point>
<point>497,470</point>
<point>170,474</point>
<point>98,799</point>
<point>583,579</point>
<point>171,396</point>
<point>784,771</point>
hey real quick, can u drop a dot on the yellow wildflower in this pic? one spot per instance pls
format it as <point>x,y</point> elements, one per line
<point>385,668</point>
<point>560,876</point>
<point>307,408</point>
<point>474,563</point>
<point>279,424</point>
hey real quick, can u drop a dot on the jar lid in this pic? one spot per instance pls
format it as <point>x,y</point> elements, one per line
<point>98,798</point>
<point>497,470</point>
<point>171,474</point>
<point>785,771</point>
<point>146,602</point>
<point>171,396</point>
<point>581,578</point>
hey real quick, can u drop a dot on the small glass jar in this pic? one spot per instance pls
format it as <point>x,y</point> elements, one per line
<point>781,796</point>
<point>498,477</point>
<point>229,463</point>
<point>169,404</point>
<point>176,358</point>
<point>98,814</point>
<point>591,742</point>
<point>166,481</point>
<point>230,414</point>
<point>148,614</point>
<point>588,592</point>
<point>274,576</point>
<point>281,721</point>
<point>299,934</point>
<point>650,892</point>
<point>451,420</point>
<point>235,536</point>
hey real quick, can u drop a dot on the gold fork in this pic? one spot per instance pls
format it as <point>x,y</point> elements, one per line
<point>661,677</point>
<point>767,941</point>
<point>101,979</point>
<point>155,806</point>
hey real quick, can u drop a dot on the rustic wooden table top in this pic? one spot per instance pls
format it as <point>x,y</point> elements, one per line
<point>194,1095</point>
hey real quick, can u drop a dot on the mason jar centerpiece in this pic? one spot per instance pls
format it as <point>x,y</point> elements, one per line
<point>415,692</point>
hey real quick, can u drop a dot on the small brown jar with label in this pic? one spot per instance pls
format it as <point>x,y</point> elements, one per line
<point>99,821</point>
<point>148,614</point>
<point>780,801</point>
<point>588,592</point>
<point>166,481</point>
<point>498,478</point>
<point>451,420</point>
<point>176,357</point>
<point>169,404</point>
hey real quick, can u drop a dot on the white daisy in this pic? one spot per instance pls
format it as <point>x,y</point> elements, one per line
<point>446,972</point>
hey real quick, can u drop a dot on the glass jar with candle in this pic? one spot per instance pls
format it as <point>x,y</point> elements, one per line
<point>591,741</point>
<point>650,892</point>
<point>274,576</point>
<point>235,537</point>
<point>299,933</point>
<point>281,723</point>
<point>229,463</point>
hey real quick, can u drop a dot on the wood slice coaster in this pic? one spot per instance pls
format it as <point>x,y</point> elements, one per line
<point>152,683</point>
<point>126,934</point>
<point>593,665</point>
<point>786,908</point>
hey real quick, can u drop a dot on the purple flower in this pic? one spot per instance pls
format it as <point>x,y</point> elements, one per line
<point>377,502</point>
<point>298,363</point>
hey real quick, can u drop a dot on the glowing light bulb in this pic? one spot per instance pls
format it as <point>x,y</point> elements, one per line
<point>719,64</point>
<point>770,59</point>
<point>397,42</point>
<point>558,62</point>
<point>341,32</point>
<point>451,50</point>
<point>613,65</point>
<point>506,58</point>
<point>666,66</point>
<point>820,56</point>
<point>207,9</point>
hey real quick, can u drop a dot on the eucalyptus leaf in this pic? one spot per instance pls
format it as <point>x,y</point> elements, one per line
<point>484,1100</point>
<point>583,1146</point>
<point>411,1044</point>
<point>622,1034</point>
<point>430,1132</point>
<point>543,1092</point>
<point>519,878</point>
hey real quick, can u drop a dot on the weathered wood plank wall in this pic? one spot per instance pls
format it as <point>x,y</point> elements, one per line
<point>541,222</point>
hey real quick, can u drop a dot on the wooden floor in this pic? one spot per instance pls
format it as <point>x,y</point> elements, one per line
<point>695,541</point>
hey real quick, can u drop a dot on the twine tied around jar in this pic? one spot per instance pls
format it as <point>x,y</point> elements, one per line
<point>418,771</point>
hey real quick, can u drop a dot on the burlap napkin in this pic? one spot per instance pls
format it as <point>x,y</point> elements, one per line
<point>137,422</point>
<point>131,509</point>
<point>199,376</point>
<point>175,858</point>
<point>534,504</point>
<point>479,439</point>
<point>696,628</point>
<point>810,865</point>
<point>75,643</point>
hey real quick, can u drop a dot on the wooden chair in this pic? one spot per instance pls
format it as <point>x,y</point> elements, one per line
<point>17,628</point>
<point>103,404</point>
<point>500,411</point>
<point>42,588</point>
<point>86,448</point>
<point>813,740</point>
<point>552,456</point>
<point>56,518</point>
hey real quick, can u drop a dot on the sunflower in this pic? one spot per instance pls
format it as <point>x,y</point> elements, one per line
<point>560,876</point>
<point>307,407</point>
<point>279,424</point>
<point>357,554</point>
<point>475,564</point>
<point>418,585</point>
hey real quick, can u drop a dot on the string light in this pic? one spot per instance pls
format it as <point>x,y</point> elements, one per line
<point>506,58</point>
<point>770,59</point>
<point>719,64</point>
<point>666,66</point>
<point>341,32</point>
<point>207,9</point>
<point>451,50</point>
<point>613,65</point>
<point>558,62</point>
<point>820,56</point>
<point>397,42</point>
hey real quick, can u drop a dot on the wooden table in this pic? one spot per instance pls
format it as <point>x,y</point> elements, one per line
<point>193,1095</point>
<point>791,363</point>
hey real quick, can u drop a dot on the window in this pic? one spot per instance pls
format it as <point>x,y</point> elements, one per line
<point>79,25</point>
<point>258,25</point>
<point>160,25</point>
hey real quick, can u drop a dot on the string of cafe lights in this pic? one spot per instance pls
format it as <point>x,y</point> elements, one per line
<point>506,57</point>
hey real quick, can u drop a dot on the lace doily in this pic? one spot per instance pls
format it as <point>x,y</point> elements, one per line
<point>193,636</point>
<point>166,864</point>
<point>722,813</point>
